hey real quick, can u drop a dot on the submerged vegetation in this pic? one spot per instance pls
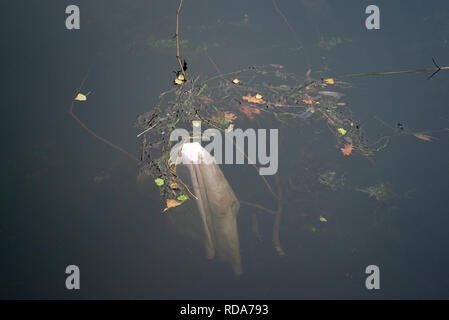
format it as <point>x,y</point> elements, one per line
<point>379,192</point>
<point>332,180</point>
<point>332,42</point>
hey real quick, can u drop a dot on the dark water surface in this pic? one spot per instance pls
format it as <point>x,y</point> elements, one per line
<point>69,199</point>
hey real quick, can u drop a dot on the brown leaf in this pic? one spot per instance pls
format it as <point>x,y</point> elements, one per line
<point>171,203</point>
<point>249,111</point>
<point>229,116</point>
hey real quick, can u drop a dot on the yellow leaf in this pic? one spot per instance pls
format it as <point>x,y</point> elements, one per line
<point>171,203</point>
<point>178,81</point>
<point>236,81</point>
<point>329,81</point>
<point>81,97</point>
<point>323,219</point>
<point>174,185</point>
<point>341,131</point>
<point>259,96</point>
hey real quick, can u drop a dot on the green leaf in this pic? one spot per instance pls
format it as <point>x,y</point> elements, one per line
<point>159,182</point>
<point>182,197</point>
<point>224,122</point>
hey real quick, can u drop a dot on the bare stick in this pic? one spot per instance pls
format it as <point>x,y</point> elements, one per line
<point>213,63</point>
<point>148,129</point>
<point>291,30</point>
<point>277,223</point>
<point>177,40</point>
<point>258,206</point>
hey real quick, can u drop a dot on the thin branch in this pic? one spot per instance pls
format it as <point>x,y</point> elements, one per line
<point>109,143</point>
<point>258,206</point>
<point>291,30</point>
<point>177,40</point>
<point>277,223</point>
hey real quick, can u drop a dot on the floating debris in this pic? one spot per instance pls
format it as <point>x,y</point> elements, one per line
<point>249,111</point>
<point>256,99</point>
<point>341,131</point>
<point>172,203</point>
<point>347,149</point>
<point>332,94</point>
<point>81,97</point>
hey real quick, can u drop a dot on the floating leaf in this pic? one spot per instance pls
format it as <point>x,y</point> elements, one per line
<point>159,182</point>
<point>182,197</point>
<point>174,186</point>
<point>81,97</point>
<point>256,99</point>
<point>178,81</point>
<point>249,111</point>
<point>236,81</point>
<point>347,149</point>
<point>171,203</point>
<point>323,219</point>
<point>313,229</point>
<point>342,131</point>
<point>307,101</point>
<point>329,81</point>
<point>229,116</point>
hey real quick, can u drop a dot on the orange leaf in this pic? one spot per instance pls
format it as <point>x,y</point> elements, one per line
<point>254,99</point>
<point>307,101</point>
<point>347,149</point>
